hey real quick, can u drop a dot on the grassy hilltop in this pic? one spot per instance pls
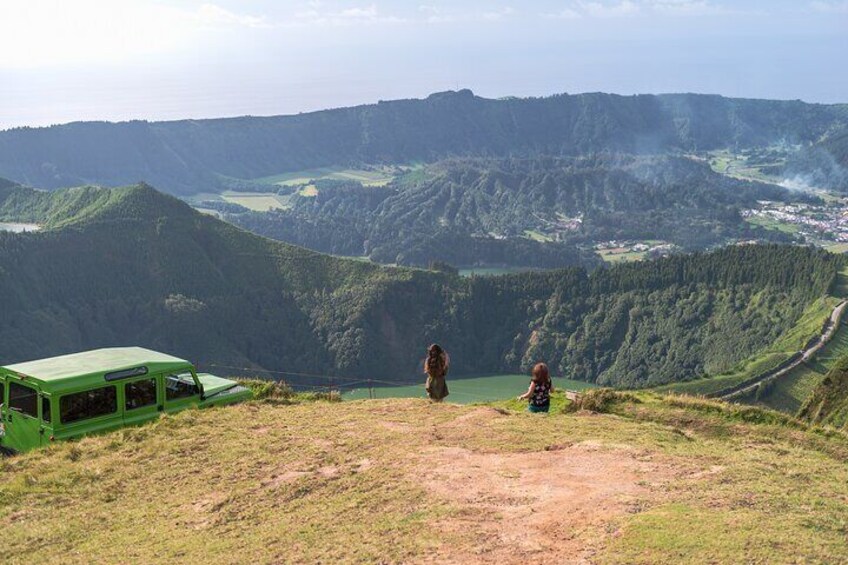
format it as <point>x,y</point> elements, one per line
<point>640,479</point>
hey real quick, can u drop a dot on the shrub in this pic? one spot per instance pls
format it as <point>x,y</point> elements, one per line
<point>602,400</point>
<point>264,389</point>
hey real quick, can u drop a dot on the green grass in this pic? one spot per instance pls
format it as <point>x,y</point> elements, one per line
<point>790,392</point>
<point>256,201</point>
<point>772,224</point>
<point>736,166</point>
<point>837,248</point>
<point>622,257</point>
<point>711,385</point>
<point>309,190</point>
<point>352,482</point>
<point>467,390</point>
<point>379,177</point>
<point>538,236</point>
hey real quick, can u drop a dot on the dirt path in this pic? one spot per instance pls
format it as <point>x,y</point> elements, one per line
<point>555,506</point>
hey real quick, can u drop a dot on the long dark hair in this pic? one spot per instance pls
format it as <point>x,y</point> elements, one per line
<point>435,362</point>
<point>541,375</point>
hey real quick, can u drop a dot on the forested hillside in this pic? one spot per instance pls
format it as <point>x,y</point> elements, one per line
<point>467,211</point>
<point>824,164</point>
<point>829,402</point>
<point>190,156</point>
<point>144,268</point>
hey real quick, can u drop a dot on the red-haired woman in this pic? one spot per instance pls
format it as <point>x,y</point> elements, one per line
<point>541,387</point>
<point>436,368</point>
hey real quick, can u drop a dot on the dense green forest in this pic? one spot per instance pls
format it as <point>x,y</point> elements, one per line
<point>467,211</point>
<point>133,266</point>
<point>190,156</point>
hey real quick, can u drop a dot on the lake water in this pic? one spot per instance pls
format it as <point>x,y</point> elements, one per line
<point>466,390</point>
<point>18,228</point>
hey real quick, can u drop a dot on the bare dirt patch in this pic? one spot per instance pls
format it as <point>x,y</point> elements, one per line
<point>557,506</point>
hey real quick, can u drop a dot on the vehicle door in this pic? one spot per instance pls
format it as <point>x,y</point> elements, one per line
<point>143,399</point>
<point>24,428</point>
<point>182,390</point>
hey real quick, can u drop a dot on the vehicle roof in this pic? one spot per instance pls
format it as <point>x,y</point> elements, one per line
<point>95,363</point>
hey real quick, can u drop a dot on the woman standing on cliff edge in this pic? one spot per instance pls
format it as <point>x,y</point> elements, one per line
<point>436,368</point>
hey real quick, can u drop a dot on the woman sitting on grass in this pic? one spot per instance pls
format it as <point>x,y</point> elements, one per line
<point>436,367</point>
<point>541,387</point>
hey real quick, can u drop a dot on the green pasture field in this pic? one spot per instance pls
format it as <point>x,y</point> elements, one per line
<point>537,236</point>
<point>309,190</point>
<point>467,390</point>
<point>379,177</point>
<point>772,224</point>
<point>256,201</point>
<point>837,247</point>
<point>736,166</point>
<point>611,257</point>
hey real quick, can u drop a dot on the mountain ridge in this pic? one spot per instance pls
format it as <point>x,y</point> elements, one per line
<point>201,155</point>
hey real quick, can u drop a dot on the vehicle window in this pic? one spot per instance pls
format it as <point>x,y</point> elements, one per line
<point>45,409</point>
<point>180,386</point>
<point>140,394</point>
<point>23,399</point>
<point>88,404</point>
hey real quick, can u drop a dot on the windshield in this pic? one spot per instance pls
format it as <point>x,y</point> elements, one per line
<point>181,385</point>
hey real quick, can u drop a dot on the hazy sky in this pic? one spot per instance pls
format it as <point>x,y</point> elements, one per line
<point>67,60</point>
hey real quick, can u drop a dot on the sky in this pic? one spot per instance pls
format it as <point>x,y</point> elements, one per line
<point>71,60</point>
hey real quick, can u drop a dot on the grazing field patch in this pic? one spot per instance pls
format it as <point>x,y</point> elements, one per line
<point>772,224</point>
<point>379,176</point>
<point>621,255</point>
<point>309,190</point>
<point>538,236</point>
<point>256,201</point>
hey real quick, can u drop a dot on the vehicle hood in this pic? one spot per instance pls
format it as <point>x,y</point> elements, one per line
<point>212,384</point>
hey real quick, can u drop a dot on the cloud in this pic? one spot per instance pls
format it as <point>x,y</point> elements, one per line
<point>689,8</point>
<point>211,14</point>
<point>496,15</point>
<point>606,10</point>
<point>564,14</point>
<point>356,15</point>
<point>49,33</point>
<point>628,8</point>
<point>832,7</point>
<point>435,15</point>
